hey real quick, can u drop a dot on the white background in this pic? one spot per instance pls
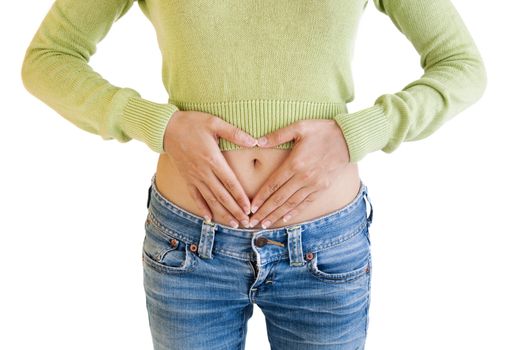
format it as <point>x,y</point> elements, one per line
<point>73,205</point>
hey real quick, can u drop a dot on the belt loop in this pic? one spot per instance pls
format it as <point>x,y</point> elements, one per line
<point>206,239</point>
<point>371,211</point>
<point>295,245</point>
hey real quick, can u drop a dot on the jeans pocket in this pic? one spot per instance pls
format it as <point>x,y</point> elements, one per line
<point>164,251</point>
<point>347,261</point>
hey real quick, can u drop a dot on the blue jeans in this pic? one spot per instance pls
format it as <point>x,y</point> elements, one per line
<point>311,280</point>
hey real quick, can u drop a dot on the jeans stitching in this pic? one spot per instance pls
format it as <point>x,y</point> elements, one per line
<point>167,232</point>
<point>340,240</point>
<point>170,270</point>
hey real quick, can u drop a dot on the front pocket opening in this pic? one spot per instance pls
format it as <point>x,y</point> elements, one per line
<point>338,277</point>
<point>170,253</point>
<point>182,264</point>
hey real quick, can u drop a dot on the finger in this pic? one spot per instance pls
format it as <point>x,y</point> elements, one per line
<point>218,210</point>
<point>271,185</point>
<point>232,133</point>
<point>203,208</point>
<point>227,177</point>
<point>225,198</point>
<point>295,204</point>
<point>279,136</point>
<point>276,200</point>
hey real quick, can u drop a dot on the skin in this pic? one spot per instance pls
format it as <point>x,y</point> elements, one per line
<point>319,154</point>
<point>192,139</point>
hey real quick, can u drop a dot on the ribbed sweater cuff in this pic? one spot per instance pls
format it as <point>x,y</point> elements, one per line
<point>365,131</point>
<point>146,121</point>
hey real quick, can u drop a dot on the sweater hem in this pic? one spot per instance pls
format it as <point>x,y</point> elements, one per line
<point>259,117</point>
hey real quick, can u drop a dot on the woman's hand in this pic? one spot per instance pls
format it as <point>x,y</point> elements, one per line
<point>319,154</point>
<point>191,138</point>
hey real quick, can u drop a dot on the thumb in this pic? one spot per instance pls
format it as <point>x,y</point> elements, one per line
<point>233,134</point>
<point>278,136</point>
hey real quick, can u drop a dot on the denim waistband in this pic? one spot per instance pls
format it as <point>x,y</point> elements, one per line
<point>293,240</point>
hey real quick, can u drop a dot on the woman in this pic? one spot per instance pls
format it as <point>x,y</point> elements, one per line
<point>257,196</point>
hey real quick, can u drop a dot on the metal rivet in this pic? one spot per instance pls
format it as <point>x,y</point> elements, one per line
<point>309,256</point>
<point>193,247</point>
<point>174,242</point>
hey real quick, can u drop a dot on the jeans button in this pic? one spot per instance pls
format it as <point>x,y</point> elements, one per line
<point>260,241</point>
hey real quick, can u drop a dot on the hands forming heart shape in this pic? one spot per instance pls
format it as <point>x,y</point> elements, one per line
<point>318,155</point>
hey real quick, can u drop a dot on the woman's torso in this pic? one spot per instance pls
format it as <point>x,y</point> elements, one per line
<point>202,68</point>
<point>252,167</point>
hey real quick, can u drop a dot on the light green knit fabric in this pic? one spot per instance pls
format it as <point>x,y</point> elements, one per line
<point>259,65</point>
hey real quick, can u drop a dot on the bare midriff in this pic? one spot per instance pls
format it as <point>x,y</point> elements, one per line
<point>252,168</point>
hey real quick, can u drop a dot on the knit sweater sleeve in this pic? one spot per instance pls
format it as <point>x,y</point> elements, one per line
<point>56,70</point>
<point>454,78</point>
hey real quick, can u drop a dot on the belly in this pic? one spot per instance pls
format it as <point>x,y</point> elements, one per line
<point>252,168</point>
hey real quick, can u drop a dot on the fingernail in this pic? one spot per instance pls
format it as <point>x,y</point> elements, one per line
<point>262,141</point>
<point>254,223</point>
<point>246,210</point>
<point>266,223</point>
<point>253,209</point>
<point>245,223</point>
<point>233,223</point>
<point>207,219</point>
<point>286,218</point>
<point>252,142</point>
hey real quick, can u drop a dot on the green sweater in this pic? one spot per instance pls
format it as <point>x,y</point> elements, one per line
<point>259,65</point>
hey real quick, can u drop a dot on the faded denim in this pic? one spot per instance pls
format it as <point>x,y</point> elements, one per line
<point>311,280</point>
